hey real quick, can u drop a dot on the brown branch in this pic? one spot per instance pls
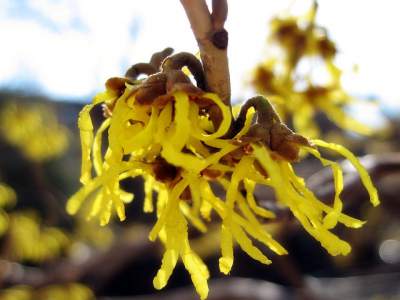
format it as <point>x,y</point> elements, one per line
<point>212,39</point>
<point>96,271</point>
<point>219,14</point>
<point>353,287</point>
<point>221,289</point>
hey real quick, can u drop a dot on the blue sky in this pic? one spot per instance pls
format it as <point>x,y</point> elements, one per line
<point>68,48</point>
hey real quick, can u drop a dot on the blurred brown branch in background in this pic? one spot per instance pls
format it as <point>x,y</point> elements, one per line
<point>354,287</point>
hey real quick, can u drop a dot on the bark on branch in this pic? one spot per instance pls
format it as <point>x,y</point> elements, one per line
<point>212,39</point>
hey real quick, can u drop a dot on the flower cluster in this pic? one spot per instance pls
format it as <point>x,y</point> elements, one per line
<point>34,129</point>
<point>26,238</point>
<point>8,198</point>
<point>30,241</point>
<point>184,142</point>
<point>299,95</point>
<point>67,291</point>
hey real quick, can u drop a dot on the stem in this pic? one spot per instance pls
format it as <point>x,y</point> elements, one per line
<point>212,40</point>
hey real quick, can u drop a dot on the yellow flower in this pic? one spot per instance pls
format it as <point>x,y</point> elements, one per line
<point>32,242</point>
<point>180,151</point>
<point>91,233</point>
<point>27,238</point>
<point>298,96</point>
<point>8,198</point>
<point>34,129</point>
<point>7,195</point>
<point>67,291</point>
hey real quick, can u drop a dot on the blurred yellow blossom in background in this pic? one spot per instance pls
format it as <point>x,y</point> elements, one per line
<point>27,239</point>
<point>301,77</point>
<point>34,129</point>
<point>69,291</point>
<point>31,241</point>
<point>8,198</point>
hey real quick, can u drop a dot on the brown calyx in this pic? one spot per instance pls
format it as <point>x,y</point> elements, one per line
<point>210,174</point>
<point>163,77</point>
<point>160,85</point>
<point>269,130</point>
<point>286,143</point>
<point>151,88</point>
<point>164,171</point>
<point>264,80</point>
<point>315,92</point>
<point>186,194</point>
<point>326,47</point>
<point>116,84</point>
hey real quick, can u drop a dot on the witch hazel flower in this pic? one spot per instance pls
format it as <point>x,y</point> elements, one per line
<point>184,141</point>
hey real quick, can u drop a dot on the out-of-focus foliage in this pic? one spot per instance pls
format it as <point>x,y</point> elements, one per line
<point>291,75</point>
<point>34,129</point>
<point>7,198</point>
<point>90,232</point>
<point>70,291</point>
<point>30,241</point>
<point>26,238</point>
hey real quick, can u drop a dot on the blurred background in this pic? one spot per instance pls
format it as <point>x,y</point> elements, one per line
<point>56,55</point>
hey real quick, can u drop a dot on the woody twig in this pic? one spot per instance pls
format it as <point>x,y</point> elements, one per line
<point>212,38</point>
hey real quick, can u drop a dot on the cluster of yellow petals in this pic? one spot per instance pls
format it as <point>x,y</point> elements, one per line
<point>32,242</point>
<point>299,97</point>
<point>139,134</point>
<point>8,198</point>
<point>89,232</point>
<point>27,239</point>
<point>34,129</point>
<point>75,291</point>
